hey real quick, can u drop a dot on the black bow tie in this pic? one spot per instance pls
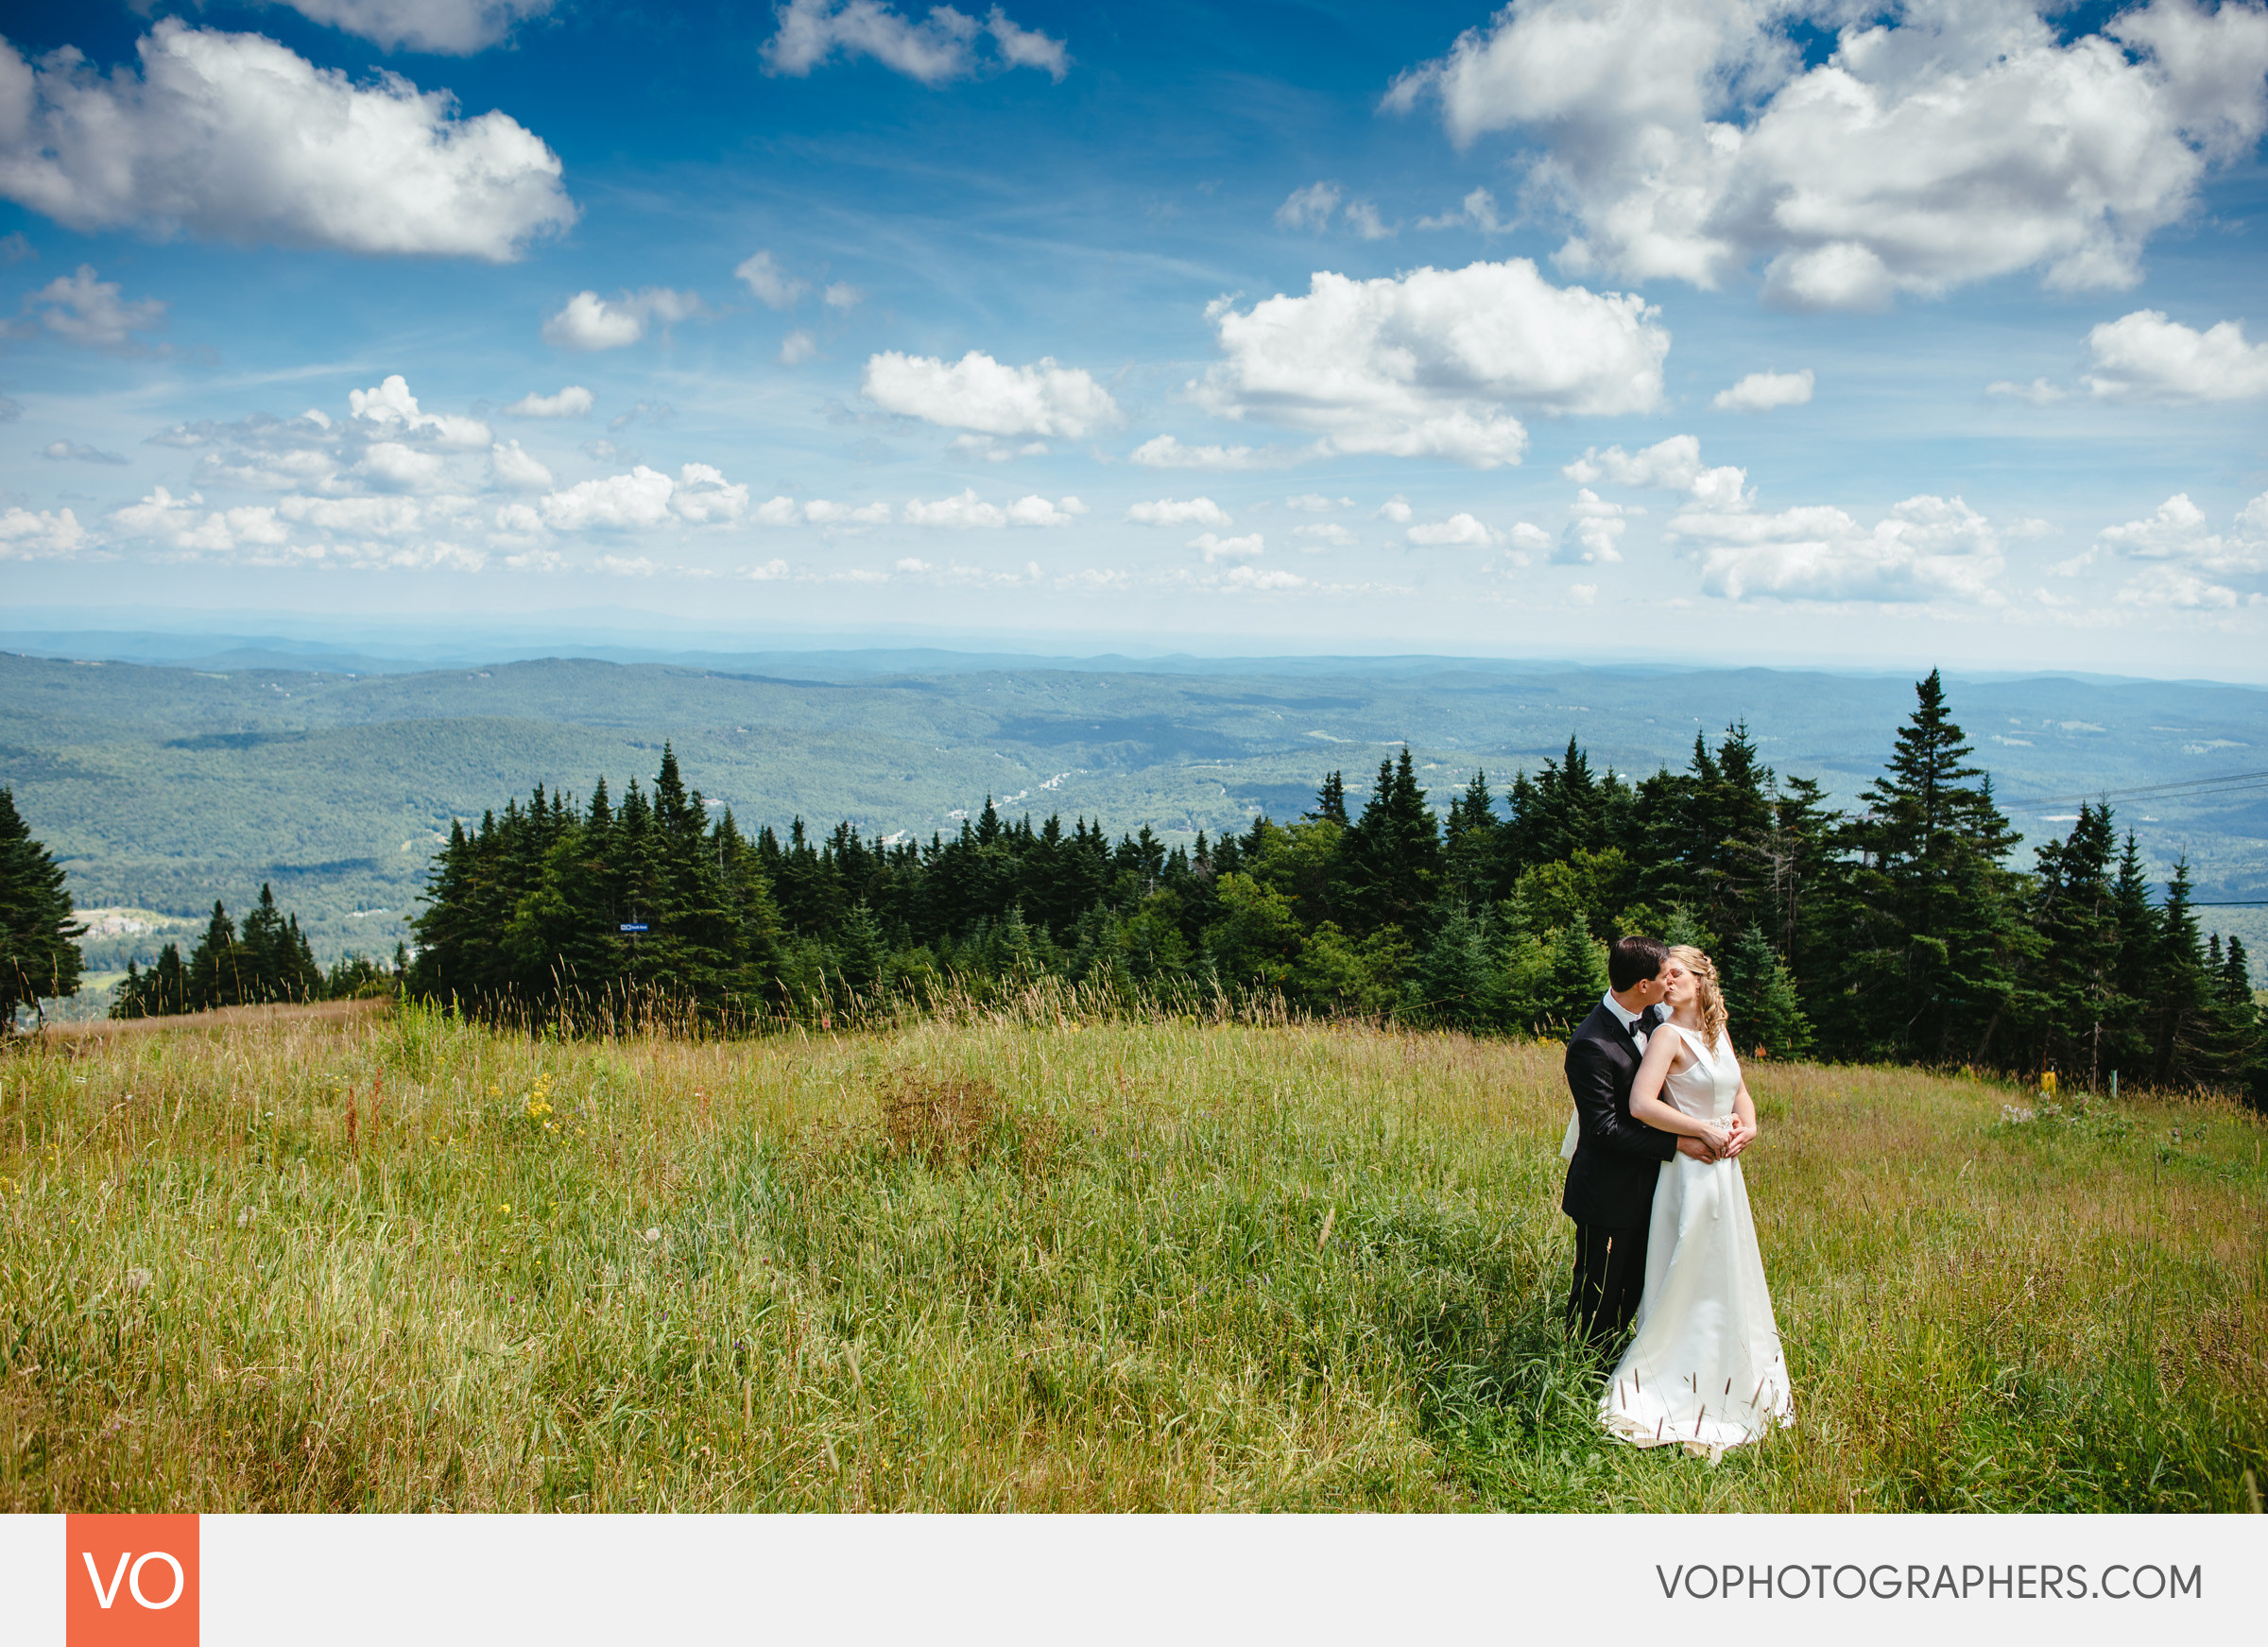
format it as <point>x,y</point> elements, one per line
<point>1643,1022</point>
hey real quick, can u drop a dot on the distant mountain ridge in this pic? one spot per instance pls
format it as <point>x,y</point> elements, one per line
<point>163,785</point>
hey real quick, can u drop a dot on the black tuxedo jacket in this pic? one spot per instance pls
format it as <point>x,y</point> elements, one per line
<point>1610,1181</point>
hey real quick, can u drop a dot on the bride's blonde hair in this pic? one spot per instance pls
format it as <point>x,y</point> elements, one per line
<point>1712,998</point>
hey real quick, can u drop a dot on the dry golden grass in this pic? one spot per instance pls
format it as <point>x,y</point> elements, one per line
<point>1031,1263</point>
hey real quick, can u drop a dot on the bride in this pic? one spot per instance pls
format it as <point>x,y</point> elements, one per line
<point>1704,1369</point>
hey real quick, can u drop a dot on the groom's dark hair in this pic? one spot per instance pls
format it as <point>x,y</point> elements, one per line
<point>1633,960</point>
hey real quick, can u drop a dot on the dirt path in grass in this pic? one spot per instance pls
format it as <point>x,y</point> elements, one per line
<point>221,1018</point>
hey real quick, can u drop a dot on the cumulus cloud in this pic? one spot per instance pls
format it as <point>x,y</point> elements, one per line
<point>80,309</point>
<point>234,137</point>
<point>643,499</point>
<point>1428,364</point>
<point>1180,512</point>
<point>28,536</point>
<point>1316,504</point>
<point>514,469</point>
<point>978,392</point>
<point>773,286</point>
<point>842,295</point>
<point>941,48</point>
<point>1670,465</point>
<point>2184,562</point>
<point>571,402</point>
<point>1594,532</point>
<point>1396,508</point>
<point>186,526</point>
<point>1165,451</point>
<point>967,509</point>
<point>820,512</point>
<point>1943,146</point>
<point>391,406</point>
<point>588,322</point>
<point>798,347</point>
<point>2145,357</point>
<point>1460,531</point>
<point>1927,548</point>
<point>1323,533</point>
<point>1763,391</point>
<point>443,27</point>
<point>389,466</point>
<point>1216,547</point>
<point>69,452</point>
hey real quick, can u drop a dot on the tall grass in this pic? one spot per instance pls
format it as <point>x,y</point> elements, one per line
<point>1030,1260</point>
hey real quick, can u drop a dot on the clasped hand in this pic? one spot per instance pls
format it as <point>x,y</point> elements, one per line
<point>1721,1143</point>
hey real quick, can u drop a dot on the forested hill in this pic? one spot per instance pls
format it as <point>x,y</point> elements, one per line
<point>162,789</point>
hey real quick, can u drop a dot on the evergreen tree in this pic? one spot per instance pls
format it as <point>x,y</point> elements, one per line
<point>1934,930</point>
<point>1454,983</point>
<point>219,969</point>
<point>1761,1008</point>
<point>39,947</point>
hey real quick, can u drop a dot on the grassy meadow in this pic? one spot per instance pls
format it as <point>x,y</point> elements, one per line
<point>1033,1262</point>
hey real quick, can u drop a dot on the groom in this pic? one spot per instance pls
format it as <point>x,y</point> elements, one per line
<point>1610,1179</point>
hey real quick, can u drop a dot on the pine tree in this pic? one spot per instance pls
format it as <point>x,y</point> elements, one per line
<point>1760,1003</point>
<point>2180,992</point>
<point>1934,931</point>
<point>219,969</point>
<point>39,947</point>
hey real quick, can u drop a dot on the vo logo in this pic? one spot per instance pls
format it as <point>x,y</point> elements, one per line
<point>130,1581</point>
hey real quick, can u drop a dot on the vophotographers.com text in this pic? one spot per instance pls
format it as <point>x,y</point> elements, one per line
<point>1890,1581</point>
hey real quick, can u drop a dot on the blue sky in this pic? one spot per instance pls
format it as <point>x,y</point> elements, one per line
<point>1720,332</point>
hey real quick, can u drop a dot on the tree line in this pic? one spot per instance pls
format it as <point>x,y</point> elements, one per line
<point>268,960</point>
<point>1900,929</point>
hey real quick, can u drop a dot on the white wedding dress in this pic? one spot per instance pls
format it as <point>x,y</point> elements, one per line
<point>1705,1368</point>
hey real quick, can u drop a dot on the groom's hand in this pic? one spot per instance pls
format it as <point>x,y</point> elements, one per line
<point>1697,1147</point>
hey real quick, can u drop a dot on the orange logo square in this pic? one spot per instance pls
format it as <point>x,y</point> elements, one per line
<point>130,1581</point>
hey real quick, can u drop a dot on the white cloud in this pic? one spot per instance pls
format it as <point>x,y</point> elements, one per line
<point>1315,502</point>
<point>978,392</point>
<point>2185,563</point>
<point>2145,356</point>
<point>1324,532</point>
<point>1476,211</point>
<point>798,347</point>
<point>1594,532</point>
<point>1460,531</point>
<point>186,526</point>
<point>774,287</point>
<point>1687,140</point>
<point>1927,548</point>
<point>993,451</point>
<point>1308,208</point>
<point>392,518</point>
<point>234,137</point>
<point>705,497</point>
<point>969,510</point>
<point>1670,465</point>
<point>588,322</point>
<point>1165,451</point>
<point>391,406</point>
<point>639,498</point>
<point>444,27</point>
<point>939,49</point>
<point>1216,547</point>
<point>1180,512</point>
<point>389,466</point>
<point>820,512</point>
<point>1527,535</point>
<point>842,295</point>
<point>2039,392</point>
<point>80,309</point>
<point>1259,578</point>
<point>571,402</point>
<point>1426,363</point>
<point>1762,391</point>
<point>1396,510</point>
<point>27,536</point>
<point>73,452</point>
<point>1361,217</point>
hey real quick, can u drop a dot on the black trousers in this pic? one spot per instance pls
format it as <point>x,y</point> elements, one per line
<point>1610,1272</point>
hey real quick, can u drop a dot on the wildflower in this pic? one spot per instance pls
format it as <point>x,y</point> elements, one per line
<point>505,1207</point>
<point>138,1279</point>
<point>653,1234</point>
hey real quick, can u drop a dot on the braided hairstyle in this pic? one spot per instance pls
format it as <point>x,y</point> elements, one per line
<point>1712,997</point>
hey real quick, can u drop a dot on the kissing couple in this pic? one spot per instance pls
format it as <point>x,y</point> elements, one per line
<point>1663,1238</point>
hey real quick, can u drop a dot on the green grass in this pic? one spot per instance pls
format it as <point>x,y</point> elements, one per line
<point>995,1264</point>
